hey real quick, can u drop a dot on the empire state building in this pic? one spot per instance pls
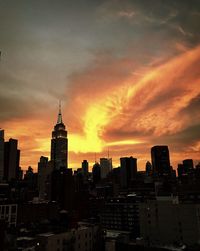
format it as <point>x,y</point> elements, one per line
<point>59,144</point>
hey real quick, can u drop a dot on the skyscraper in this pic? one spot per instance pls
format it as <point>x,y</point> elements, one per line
<point>160,160</point>
<point>106,166</point>
<point>128,171</point>
<point>85,166</point>
<point>11,160</point>
<point>1,154</point>
<point>44,177</point>
<point>96,172</point>
<point>59,144</point>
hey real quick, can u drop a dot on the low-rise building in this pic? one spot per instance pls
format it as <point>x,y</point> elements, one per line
<point>122,214</point>
<point>165,221</point>
<point>8,213</point>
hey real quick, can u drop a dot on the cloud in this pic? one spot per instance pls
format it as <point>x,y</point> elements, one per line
<point>150,108</point>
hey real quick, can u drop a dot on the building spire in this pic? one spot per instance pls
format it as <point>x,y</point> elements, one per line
<point>59,121</point>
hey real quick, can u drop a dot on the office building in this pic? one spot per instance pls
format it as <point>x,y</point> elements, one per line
<point>96,172</point>
<point>160,160</point>
<point>122,214</point>
<point>166,221</point>
<point>45,169</point>
<point>1,154</point>
<point>186,171</point>
<point>11,160</point>
<point>106,166</point>
<point>128,171</point>
<point>85,166</point>
<point>8,213</point>
<point>62,188</point>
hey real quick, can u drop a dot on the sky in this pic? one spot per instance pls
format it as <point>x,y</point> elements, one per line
<point>127,73</point>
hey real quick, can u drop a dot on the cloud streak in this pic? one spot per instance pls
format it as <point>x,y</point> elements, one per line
<point>154,106</point>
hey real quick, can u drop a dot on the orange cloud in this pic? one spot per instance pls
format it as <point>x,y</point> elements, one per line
<point>110,105</point>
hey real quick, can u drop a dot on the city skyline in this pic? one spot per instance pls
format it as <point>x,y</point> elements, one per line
<point>127,74</point>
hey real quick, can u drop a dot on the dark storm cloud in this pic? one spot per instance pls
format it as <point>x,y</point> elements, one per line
<point>177,19</point>
<point>185,141</point>
<point>192,109</point>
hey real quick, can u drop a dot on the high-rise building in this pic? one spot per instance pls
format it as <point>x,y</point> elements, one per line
<point>96,172</point>
<point>1,154</point>
<point>59,144</point>
<point>85,166</point>
<point>128,171</point>
<point>62,188</point>
<point>186,171</point>
<point>106,166</point>
<point>11,160</point>
<point>148,168</point>
<point>160,160</point>
<point>188,165</point>
<point>44,178</point>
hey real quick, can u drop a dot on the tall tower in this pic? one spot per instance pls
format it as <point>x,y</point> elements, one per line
<point>59,144</point>
<point>128,171</point>
<point>160,160</point>
<point>11,160</point>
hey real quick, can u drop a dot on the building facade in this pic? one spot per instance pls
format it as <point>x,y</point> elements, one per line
<point>122,214</point>
<point>1,154</point>
<point>128,171</point>
<point>160,160</point>
<point>8,213</point>
<point>11,160</point>
<point>165,221</point>
<point>106,166</point>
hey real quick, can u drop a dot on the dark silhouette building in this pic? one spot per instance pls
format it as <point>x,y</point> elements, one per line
<point>62,188</point>
<point>59,144</point>
<point>121,214</point>
<point>188,165</point>
<point>85,166</point>
<point>186,171</point>
<point>128,171</point>
<point>1,154</point>
<point>106,167</point>
<point>44,178</point>
<point>96,172</point>
<point>160,160</point>
<point>148,168</point>
<point>11,160</point>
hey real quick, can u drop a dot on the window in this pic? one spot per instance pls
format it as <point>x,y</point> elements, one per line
<point>7,209</point>
<point>13,209</point>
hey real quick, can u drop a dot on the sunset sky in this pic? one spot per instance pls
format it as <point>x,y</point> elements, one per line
<point>127,72</point>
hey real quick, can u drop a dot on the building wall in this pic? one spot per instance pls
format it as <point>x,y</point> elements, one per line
<point>45,169</point>
<point>1,154</point>
<point>106,166</point>
<point>8,212</point>
<point>11,159</point>
<point>55,242</point>
<point>128,171</point>
<point>121,214</point>
<point>160,160</point>
<point>84,238</point>
<point>168,222</point>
